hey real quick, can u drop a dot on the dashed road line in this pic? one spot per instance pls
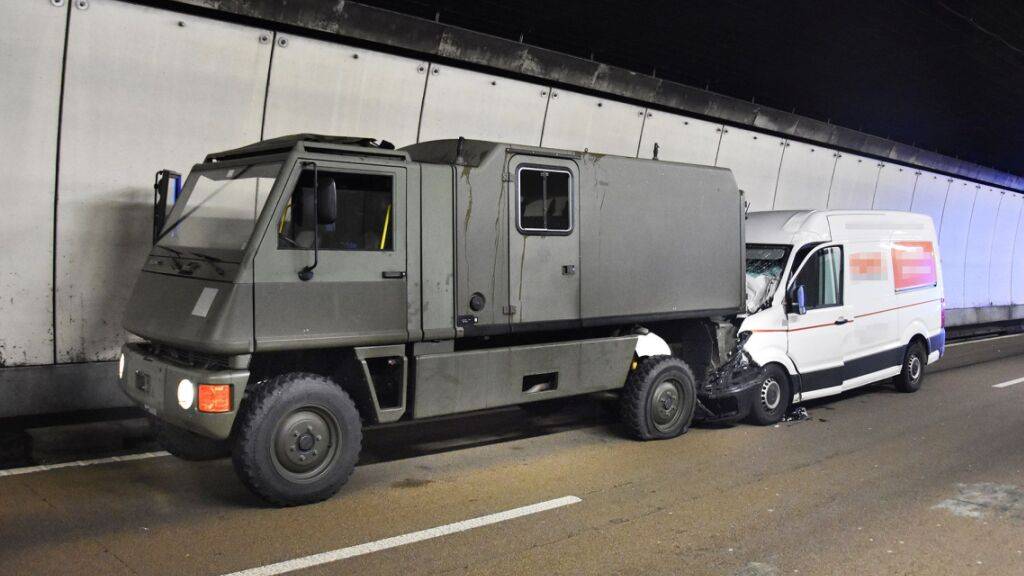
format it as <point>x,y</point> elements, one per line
<point>80,463</point>
<point>1008,383</point>
<point>395,541</point>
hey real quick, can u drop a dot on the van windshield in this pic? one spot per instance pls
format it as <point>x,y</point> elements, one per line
<point>216,211</point>
<point>765,264</point>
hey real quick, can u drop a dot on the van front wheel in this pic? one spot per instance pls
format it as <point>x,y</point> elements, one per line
<point>773,397</point>
<point>912,375</point>
<point>298,439</point>
<point>659,399</point>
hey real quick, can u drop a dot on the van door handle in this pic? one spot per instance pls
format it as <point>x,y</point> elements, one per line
<point>395,274</point>
<point>842,321</point>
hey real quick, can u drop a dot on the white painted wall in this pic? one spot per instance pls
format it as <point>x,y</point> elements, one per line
<point>148,88</point>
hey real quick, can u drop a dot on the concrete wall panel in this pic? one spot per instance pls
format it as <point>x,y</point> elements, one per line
<point>577,122</point>
<point>853,184</point>
<point>979,247</point>
<point>895,188</point>
<point>1003,241</point>
<point>755,159</point>
<point>805,177</point>
<point>680,139</point>
<point>956,221</point>
<point>483,107</point>
<point>1017,267</point>
<point>145,89</point>
<point>31,49</point>
<point>930,197</point>
<point>328,88</point>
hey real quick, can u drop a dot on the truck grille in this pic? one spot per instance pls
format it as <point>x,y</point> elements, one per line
<point>189,358</point>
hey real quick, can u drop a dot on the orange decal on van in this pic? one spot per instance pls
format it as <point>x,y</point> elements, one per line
<point>913,265</point>
<point>866,266</point>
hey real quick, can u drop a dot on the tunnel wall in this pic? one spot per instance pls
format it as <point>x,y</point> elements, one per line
<point>96,99</point>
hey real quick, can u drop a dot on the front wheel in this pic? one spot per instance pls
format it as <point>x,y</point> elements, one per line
<point>773,397</point>
<point>298,439</point>
<point>659,399</point>
<point>912,375</point>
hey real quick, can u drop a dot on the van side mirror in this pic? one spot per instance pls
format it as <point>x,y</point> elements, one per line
<point>798,301</point>
<point>327,202</point>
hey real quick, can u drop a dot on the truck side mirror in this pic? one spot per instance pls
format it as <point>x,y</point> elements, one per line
<point>327,202</point>
<point>166,185</point>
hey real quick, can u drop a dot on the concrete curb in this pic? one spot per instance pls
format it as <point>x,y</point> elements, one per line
<point>961,354</point>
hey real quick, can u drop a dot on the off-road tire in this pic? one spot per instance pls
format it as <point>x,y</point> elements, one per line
<point>912,375</point>
<point>188,445</point>
<point>655,377</point>
<point>772,397</point>
<point>296,415</point>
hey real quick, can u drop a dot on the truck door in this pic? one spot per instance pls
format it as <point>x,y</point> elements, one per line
<point>817,338</point>
<point>357,294</point>
<point>544,248</point>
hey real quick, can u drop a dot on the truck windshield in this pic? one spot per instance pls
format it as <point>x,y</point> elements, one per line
<point>765,263</point>
<point>217,210</point>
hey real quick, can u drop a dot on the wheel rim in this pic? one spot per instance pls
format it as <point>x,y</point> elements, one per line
<point>306,442</point>
<point>667,405</point>
<point>771,394</point>
<point>914,367</point>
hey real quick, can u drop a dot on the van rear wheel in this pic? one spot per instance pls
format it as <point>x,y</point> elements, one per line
<point>298,439</point>
<point>659,399</point>
<point>912,375</point>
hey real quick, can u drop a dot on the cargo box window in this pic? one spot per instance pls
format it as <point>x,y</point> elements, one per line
<point>364,220</point>
<point>545,201</point>
<point>822,278</point>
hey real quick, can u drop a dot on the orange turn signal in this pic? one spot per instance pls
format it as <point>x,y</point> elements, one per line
<point>215,398</point>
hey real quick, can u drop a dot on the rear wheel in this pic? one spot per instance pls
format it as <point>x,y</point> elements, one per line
<point>912,374</point>
<point>298,439</point>
<point>659,399</point>
<point>188,445</point>
<point>773,397</point>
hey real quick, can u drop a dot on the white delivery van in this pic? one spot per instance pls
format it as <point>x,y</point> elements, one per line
<point>840,299</point>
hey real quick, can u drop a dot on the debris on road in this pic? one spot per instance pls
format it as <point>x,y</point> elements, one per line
<point>797,414</point>
<point>984,498</point>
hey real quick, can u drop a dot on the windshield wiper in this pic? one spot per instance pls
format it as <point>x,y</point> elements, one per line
<point>213,260</point>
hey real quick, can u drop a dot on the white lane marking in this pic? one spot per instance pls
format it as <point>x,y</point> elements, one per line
<point>110,460</point>
<point>395,541</point>
<point>1008,383</point>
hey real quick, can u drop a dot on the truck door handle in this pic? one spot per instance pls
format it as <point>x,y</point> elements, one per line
<point>842,321</point>
<point>396,274</point>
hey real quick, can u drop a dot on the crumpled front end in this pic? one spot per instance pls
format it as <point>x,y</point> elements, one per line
<point>729,391</point>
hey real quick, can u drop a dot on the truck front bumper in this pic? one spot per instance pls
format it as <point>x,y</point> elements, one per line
<point>152,383</point>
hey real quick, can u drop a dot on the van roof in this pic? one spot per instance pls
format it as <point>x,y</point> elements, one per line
<point>800,226</point>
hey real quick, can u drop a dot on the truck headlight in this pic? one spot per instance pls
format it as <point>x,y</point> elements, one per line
<point>120,367</point>
<point>186,393</point>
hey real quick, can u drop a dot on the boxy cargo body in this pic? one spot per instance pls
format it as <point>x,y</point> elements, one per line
<point>444,277</point>
<point>861,300</point>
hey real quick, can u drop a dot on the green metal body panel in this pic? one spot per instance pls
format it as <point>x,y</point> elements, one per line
<point>478,379</point>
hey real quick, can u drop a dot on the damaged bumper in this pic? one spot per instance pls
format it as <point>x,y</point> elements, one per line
<point>729,392</point>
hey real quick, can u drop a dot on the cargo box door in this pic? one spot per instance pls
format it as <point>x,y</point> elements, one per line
<point>544,248</point>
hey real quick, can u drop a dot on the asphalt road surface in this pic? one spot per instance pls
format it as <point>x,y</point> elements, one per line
<point>874,482</point>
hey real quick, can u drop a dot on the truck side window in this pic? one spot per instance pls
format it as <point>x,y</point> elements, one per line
<point>365,214</point>
<point>822,278</point>
<point>545,200</point>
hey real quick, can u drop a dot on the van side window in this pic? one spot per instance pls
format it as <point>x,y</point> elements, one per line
<point>365,214</point>
<point>822,278</point>
<point>545,200</point>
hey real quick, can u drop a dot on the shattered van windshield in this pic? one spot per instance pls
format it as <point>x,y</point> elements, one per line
<point>217,209</point>
<point>765,264</point>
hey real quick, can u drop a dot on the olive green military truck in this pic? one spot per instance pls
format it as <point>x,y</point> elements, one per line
<point>302,288</point>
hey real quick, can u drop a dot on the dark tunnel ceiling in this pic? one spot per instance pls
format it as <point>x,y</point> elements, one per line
<point>945,76</point>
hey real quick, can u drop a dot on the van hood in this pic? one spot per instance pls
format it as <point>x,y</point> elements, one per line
<point>192,313</point>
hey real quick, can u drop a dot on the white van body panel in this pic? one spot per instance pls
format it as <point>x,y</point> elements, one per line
<point>891,294</point>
